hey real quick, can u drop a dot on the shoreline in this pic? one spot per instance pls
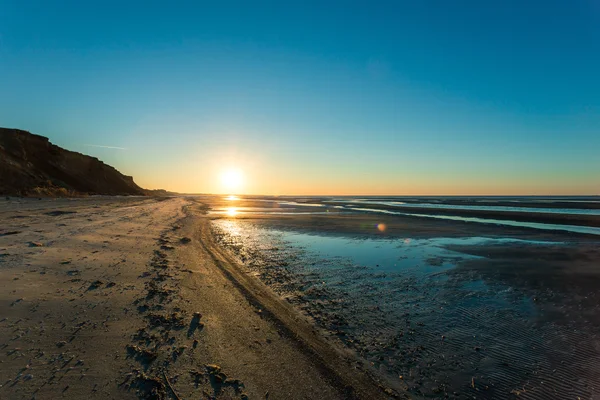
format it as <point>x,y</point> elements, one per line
<point>328,358</point>
<point>135,300</point>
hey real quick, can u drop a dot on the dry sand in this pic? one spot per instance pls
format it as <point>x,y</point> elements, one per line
<point>129,297</point>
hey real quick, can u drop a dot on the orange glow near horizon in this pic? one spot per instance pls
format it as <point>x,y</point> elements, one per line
<point>230,175</point>
<point>269,185</point>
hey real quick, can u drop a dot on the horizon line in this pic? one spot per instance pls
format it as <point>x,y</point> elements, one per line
<point>386,195</point>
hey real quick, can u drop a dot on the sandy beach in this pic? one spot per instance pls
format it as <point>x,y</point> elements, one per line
<point>135,297</point>
<point>129,298</point>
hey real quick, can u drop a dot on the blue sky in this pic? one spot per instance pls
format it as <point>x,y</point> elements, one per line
<point>391,97</point>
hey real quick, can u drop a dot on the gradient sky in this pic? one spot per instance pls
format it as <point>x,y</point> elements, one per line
<point>339,97</point>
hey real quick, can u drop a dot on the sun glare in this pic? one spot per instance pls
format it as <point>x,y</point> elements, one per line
<point>232,179</point>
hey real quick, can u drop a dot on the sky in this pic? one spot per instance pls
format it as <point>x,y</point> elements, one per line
<point>495,97</point>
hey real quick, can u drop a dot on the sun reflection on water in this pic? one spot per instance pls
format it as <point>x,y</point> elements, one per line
<point>232,211</point>
<point>232,198</point>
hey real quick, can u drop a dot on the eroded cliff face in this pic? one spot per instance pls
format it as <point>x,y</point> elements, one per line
<point>30,165</point>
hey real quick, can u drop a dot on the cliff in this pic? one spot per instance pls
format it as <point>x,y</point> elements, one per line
<point>31,165</point>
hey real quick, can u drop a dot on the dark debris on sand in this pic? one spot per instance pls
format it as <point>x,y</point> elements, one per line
<point>159,346</point>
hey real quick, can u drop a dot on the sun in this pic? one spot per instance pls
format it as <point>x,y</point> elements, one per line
<point>232,179</point>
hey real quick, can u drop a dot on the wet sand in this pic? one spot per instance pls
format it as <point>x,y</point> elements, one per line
<point>530,211</point>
